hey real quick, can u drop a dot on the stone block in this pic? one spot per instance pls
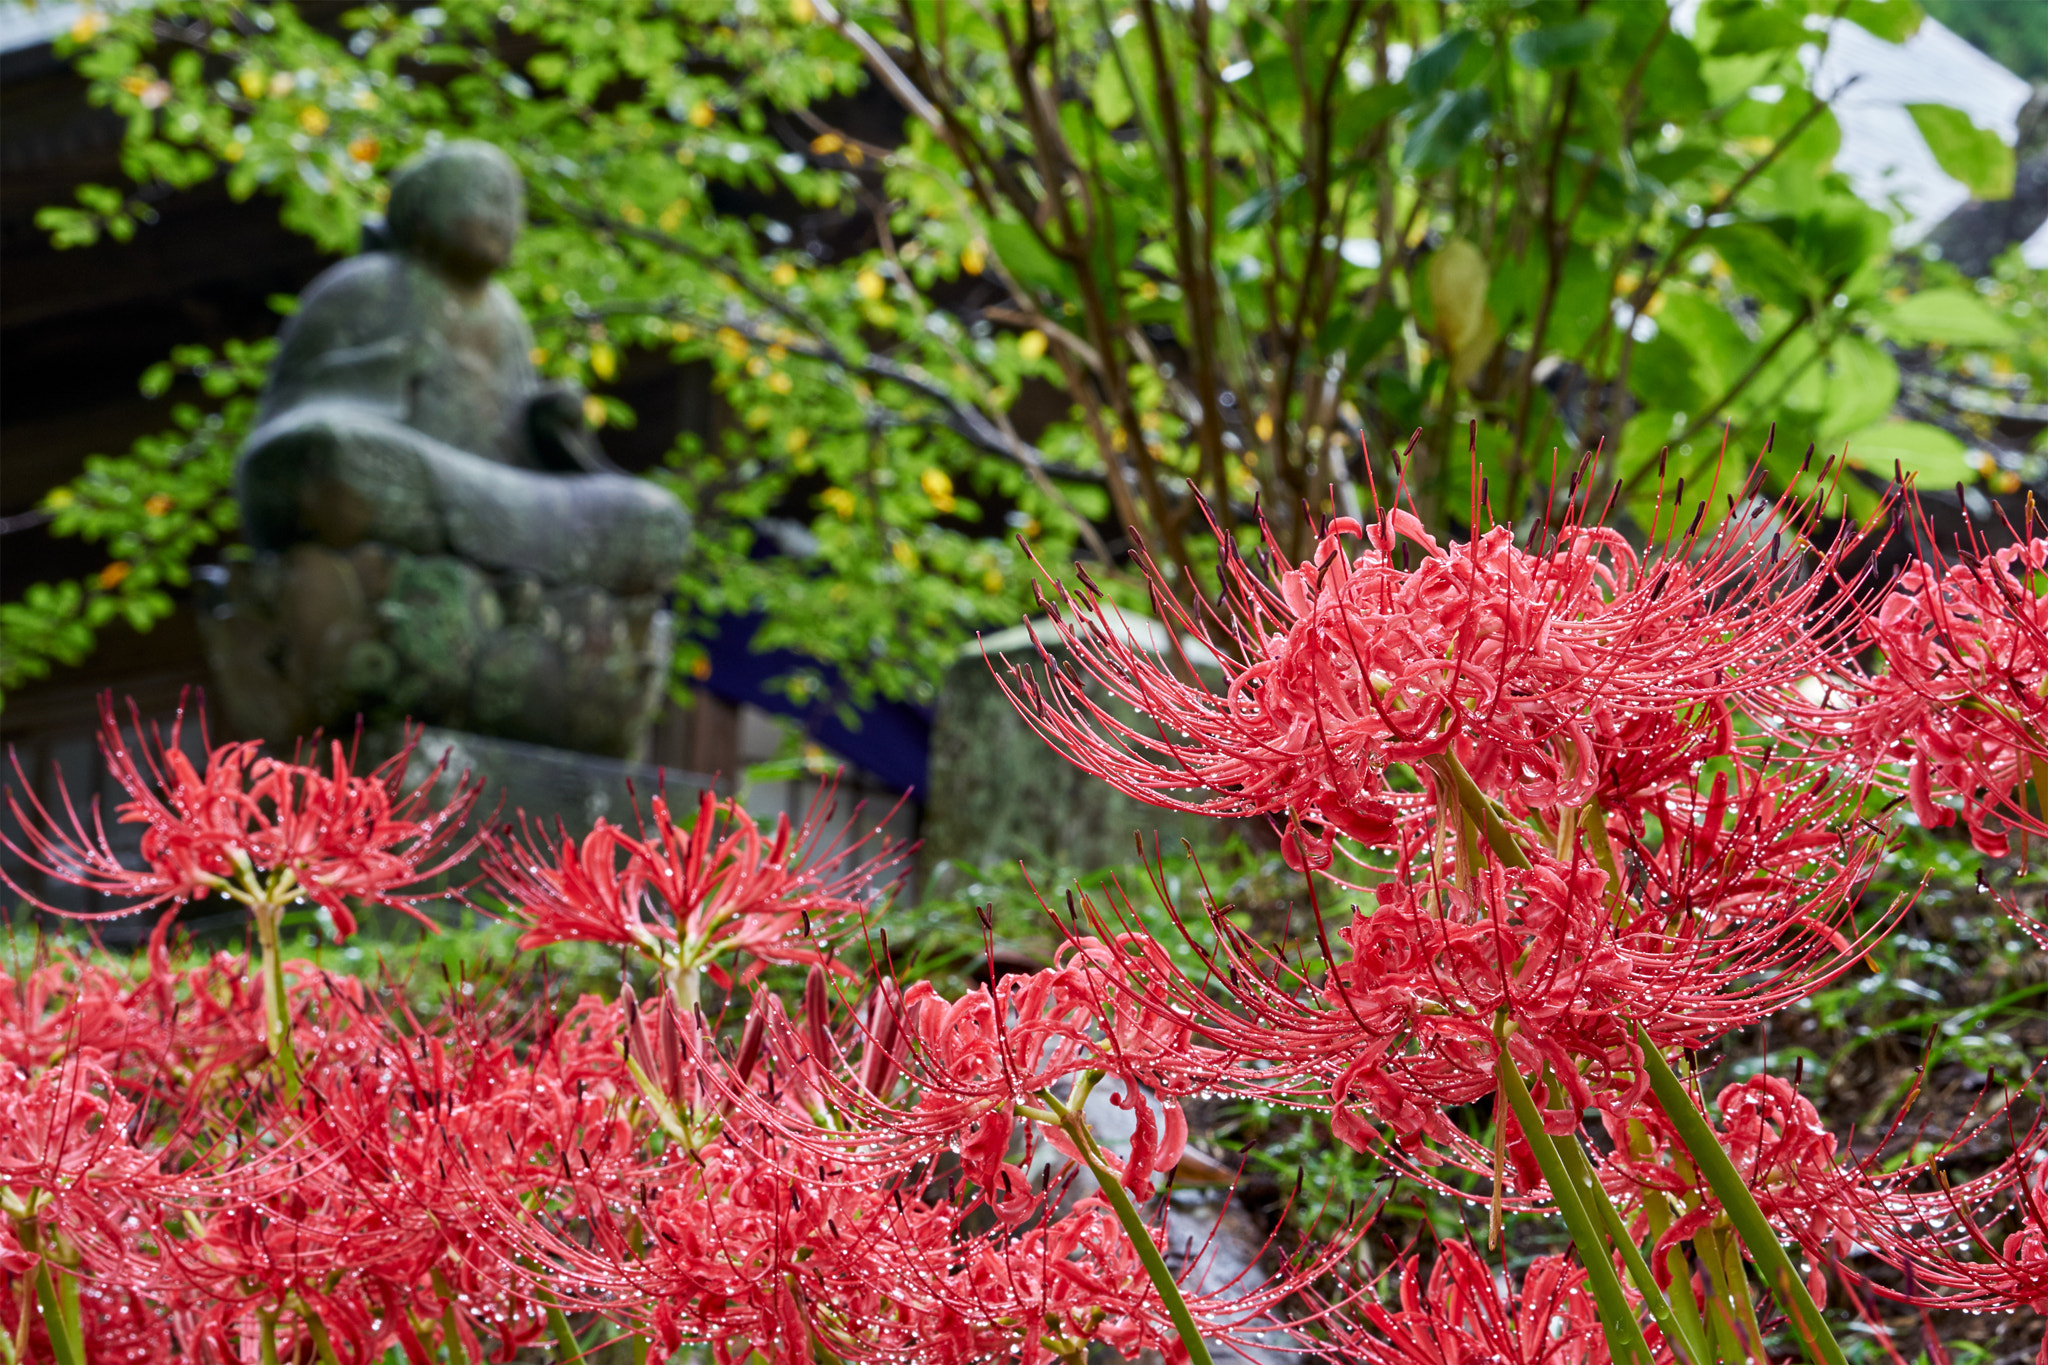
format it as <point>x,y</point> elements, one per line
<point>999,793</point>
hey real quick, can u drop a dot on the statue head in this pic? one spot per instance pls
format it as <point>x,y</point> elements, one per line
<point>458,207</point>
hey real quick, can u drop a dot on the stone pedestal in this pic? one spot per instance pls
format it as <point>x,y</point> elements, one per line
<point>312,637</point>
<point>548,784</point>
<point>999,793</point>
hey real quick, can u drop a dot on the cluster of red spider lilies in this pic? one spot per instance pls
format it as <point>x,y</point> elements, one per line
<point>1600,807</point>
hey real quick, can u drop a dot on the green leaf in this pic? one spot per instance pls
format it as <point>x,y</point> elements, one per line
<point>1672,84</point>
<point>1939,459</point>
<point>1762,264</point>
<point>1260,206</point>
<point>1953,316</point>
<point>1365,112</point>
<point>1457,121</point>
<point>1581,304</point>
<point>1976,156</point>
<point>1863,383</point>
<point>1366,334</point>
<point>1433,68</point>
<point>1025,257</point>
<point>1753,26</point>
<point>1112,98</point>
<point>1558,45</point>
<point>1892,20</point>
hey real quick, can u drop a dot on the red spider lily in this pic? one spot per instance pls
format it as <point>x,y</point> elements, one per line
<point>1764,841</point>
<point>1461,1313</point>
<point>372,1209</point>
<point>172,1039</point>
<point>1520,663</point>
<point>975,1073</point>
<point>1836,1204</point>
<point>823,1151</point>
<point>71,1166</point>
<point>685,897</point>
<point>1789,1161</point>
<point>1409,1020</point>
<point>765,1231</point>
<point>121,1326</point>
<point>2003,1274</point>
<point>249,827</point>
<point>1962,697</point>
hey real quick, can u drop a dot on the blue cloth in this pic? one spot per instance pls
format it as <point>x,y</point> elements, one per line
<point>892,741</point>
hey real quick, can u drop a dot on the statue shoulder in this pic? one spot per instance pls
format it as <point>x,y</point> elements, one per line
<point>353,301</point>
<point>506,312</point>
<point>349,337</point>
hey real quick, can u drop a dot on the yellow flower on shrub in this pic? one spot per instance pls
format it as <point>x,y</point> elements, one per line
<point>938,486</point>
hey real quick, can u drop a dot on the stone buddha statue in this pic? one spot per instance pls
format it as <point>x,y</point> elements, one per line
<point>437,534</point>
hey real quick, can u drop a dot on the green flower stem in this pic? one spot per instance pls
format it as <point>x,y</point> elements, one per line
<point>1756,1232</point>
<point>1624,1334</point>
<point>1480,810</point>
<point>277,1006</point>
<point>1732,1313</point>
<point>267,1338</point>
<point>1594,822</point>
<point>322,1347</point>
<point>1691,1347</point>
<point>1658,1213</point>
<point>1076,1129</point>
<point>67,1340</point>
<point>566,1347</point>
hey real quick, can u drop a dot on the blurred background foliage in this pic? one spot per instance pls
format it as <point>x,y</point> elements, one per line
<point>975,276</point>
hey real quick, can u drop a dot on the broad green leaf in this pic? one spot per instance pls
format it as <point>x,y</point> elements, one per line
<point>1863,383</point>
<point>1840,237</point>
<point>1362,113</point>
<point>1457,121</point>
<point>1892,20</point>
<point>1581,305</point>
<point>1976,156</point>
<point>1432,68</point>
<point>1717,348</point>
<point>1952,316</point>
<point>1558,45</point>
<point>1762,264</point>
<point>1113,104</point>
<point>1937,458</point>
<point>1260,206</point>
<point>1025,257</point>
<point>1672,85</point>
<point>1365,334</point>
<point>1747,27</point>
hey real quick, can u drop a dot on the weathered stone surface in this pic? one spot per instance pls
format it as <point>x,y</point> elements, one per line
<point>999,793</point>
<point>438,534</point>
<point>545,782</point>
<point>312,639</point>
